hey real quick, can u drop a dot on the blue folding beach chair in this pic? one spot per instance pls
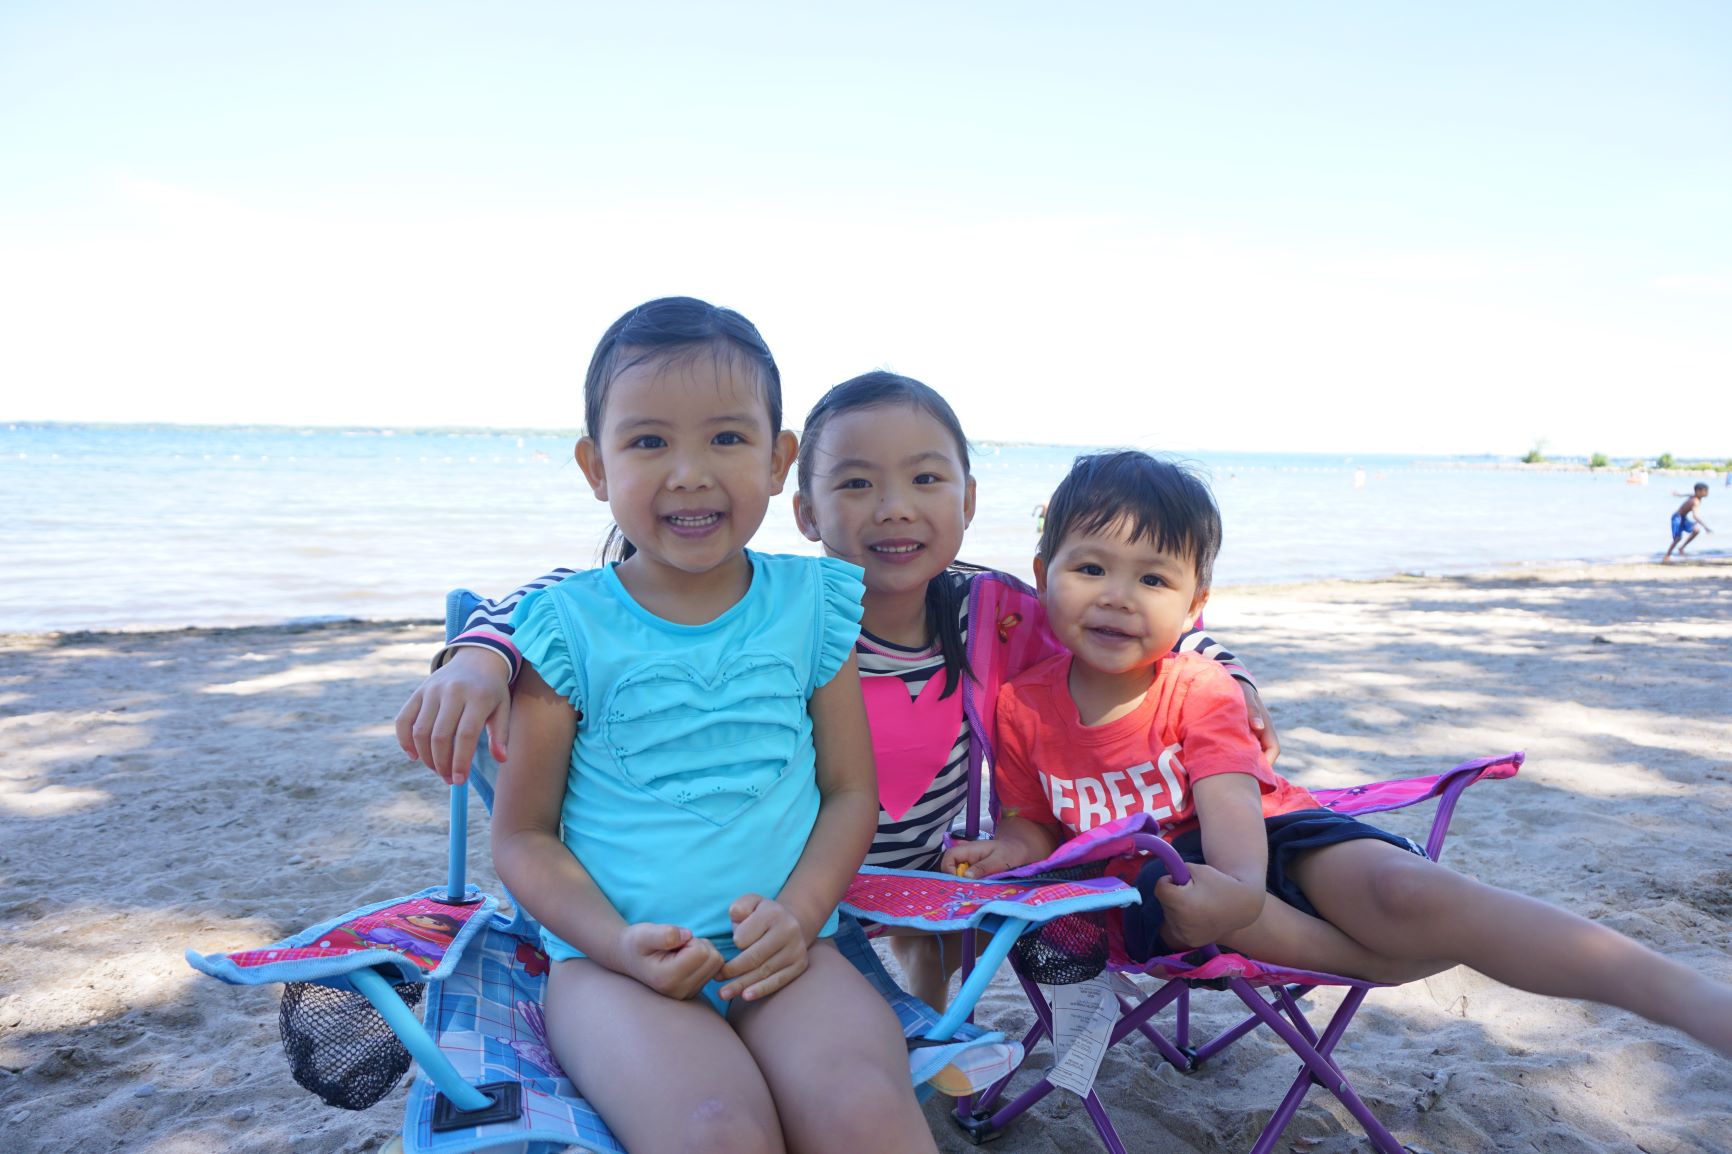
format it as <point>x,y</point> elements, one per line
<point>486,1077</point>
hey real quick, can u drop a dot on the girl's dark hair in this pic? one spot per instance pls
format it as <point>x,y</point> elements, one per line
<point>876,390</point>
<point>1165,503</point>
<point>665,329</point>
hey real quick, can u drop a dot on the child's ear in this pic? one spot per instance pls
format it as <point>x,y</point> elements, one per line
<point>782,456</point>
<point>589,460</point>
<point>968,503</point>
<point>803,517</point>
<point>1040,575</point>
<point>1197,603</point>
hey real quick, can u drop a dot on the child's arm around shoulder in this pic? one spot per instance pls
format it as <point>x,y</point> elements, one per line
<point>1195,640</point>
<point>469,690</point>
<point>489,627</point>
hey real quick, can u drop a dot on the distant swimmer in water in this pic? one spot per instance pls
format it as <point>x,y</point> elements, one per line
<point>1684,526</point>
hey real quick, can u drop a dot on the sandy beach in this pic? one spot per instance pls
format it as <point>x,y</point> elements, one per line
<point>214,789</point>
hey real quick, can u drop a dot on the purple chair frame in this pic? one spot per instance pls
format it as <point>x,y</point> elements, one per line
<point>1278,1009</point>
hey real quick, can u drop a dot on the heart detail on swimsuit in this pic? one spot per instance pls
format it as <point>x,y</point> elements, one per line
<point>714,742</point>
<point>911,737</point>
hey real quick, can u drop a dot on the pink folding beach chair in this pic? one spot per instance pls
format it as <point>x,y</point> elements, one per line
<point>1008,634</point>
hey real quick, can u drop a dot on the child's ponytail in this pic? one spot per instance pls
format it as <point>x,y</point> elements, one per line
<point>944,621</point>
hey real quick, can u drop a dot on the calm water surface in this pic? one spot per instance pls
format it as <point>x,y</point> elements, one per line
<point>162,527</point>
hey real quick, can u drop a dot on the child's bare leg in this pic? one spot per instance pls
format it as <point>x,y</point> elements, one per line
<point>665,1075</point>
<point>1289,937</point>
<point>836,1063</point>
<point>927,961</point>
<point>1402,906</point>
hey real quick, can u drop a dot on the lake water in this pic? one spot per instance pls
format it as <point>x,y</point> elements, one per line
<point>136,526</point>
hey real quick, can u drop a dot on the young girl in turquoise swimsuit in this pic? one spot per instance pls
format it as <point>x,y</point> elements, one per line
<point>690,788</point>
<point>883,482</point>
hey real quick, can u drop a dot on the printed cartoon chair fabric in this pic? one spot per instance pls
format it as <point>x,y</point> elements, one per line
<point>1007,635</point>
<point>486,1077</point>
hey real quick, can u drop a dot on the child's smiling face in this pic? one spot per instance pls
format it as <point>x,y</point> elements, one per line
<point>1119,605</point>
<point>890,493</point>
<point>686,458</point>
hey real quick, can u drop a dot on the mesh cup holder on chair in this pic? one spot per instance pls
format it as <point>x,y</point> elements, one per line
<point>1065,950</point>
<point>339,1046</point>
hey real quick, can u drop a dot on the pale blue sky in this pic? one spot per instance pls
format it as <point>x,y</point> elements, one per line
<point>1344,226</point>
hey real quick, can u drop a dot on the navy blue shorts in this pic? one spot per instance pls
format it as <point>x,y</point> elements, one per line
<point>1290,834</point>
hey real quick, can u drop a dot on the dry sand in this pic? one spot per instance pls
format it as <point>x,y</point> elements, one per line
<point>217,789</point>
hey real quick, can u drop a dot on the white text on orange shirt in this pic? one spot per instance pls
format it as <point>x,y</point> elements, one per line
<point>1082,803</point>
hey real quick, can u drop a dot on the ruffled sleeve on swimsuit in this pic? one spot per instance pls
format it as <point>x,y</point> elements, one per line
<point>542,637</point>
<point>839,609</point>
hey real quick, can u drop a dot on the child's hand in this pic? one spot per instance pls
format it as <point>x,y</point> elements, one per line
<point>979,859</point>
<point>1262,725</point>
<point>1207,908</point>
<point>442,720</point>
<point>772,948</point>
<point>668,959</point>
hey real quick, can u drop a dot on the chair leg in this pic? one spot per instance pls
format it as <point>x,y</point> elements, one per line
<point>1103,1124</point>
<point>1222,1040</point>
<point>1318,1069</point>
<point>984,1124</point>
<point>1137,1018</point>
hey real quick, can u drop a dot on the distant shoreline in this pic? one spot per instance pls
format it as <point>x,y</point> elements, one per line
<point>1460,460</point>
<point>1708,470</point>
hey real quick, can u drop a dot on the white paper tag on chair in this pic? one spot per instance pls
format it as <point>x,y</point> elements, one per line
<point>1083,1016</point>
<point>1123,984</point>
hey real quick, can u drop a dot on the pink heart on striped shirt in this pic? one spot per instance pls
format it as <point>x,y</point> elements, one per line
<point>911,737</point>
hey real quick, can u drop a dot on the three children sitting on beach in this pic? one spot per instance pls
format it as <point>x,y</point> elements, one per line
<point>693,679</point>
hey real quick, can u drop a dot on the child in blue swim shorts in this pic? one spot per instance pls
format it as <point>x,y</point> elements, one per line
<point>1684,528</point>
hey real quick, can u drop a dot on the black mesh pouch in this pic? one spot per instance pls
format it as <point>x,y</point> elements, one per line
<point>1065,950</point>
<point>338,1044</point>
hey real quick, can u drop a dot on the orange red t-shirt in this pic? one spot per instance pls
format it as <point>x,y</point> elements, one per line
<point>1052,769</point>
